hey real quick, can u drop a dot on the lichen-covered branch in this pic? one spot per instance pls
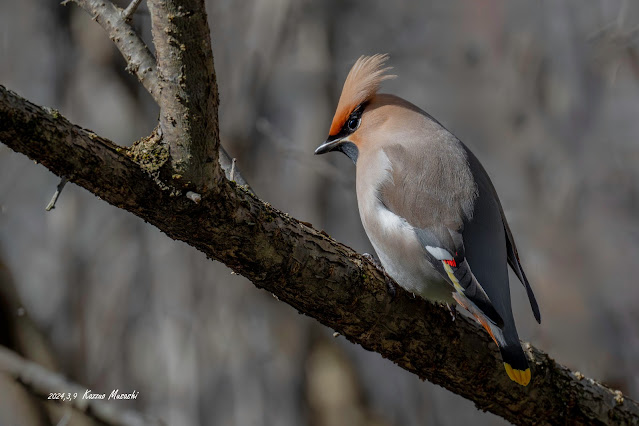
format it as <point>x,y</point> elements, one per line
<point>141,62</point>
<point>189,97</point>
<point>315,274</point>
<point>42,383</point>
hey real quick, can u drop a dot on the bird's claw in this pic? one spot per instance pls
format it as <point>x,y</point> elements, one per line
<point>390,287</point>
<point>372,259</point>
<point>453,311</point>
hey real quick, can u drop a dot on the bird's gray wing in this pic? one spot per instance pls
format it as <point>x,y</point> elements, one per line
<point>445,250</point>
<point>515,264</point>
<point>488,221</point>
<point>433,192</point>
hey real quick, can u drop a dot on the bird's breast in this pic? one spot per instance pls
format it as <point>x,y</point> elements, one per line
<point>400,252</point>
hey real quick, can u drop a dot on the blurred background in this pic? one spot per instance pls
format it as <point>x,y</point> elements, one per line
<point>545,93</point>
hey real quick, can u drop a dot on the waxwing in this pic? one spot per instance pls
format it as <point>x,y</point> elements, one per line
<point>429,207</point>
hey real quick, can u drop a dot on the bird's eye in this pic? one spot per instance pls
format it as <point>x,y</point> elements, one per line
<point>353,124</point>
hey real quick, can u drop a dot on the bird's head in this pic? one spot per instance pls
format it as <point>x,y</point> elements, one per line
<point>360,87</point>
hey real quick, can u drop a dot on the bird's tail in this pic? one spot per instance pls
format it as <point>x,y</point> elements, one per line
<point>506,339</point>
<point>515,362</point>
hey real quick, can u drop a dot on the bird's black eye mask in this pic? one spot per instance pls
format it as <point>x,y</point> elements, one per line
<point>351,124</point>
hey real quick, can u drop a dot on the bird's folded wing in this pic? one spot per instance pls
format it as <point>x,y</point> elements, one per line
<point>511,249</point>
<point>445,250</point>
<point>515,264</point>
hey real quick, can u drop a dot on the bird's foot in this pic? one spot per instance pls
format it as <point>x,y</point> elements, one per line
<point>453,311</point>
<point>390,287</point>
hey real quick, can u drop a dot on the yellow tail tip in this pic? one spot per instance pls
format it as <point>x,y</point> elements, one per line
<point>521,377</point>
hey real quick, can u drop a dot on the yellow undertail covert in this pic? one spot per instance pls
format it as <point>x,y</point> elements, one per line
<point>518,376</point>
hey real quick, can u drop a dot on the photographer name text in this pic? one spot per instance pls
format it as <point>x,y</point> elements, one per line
<point>89,394</point>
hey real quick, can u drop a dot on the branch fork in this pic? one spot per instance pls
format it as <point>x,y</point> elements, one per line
<point>141,62</point>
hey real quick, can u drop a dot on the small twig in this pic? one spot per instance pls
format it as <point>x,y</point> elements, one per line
<point>232,173</point>
<point>54,199</point>
<point>130,10</point>
<point>228,165</point>
<point>194,196</point>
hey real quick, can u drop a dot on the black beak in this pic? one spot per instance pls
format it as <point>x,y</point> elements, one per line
<point>331,144</point>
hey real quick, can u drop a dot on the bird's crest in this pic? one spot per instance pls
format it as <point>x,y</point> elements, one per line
<point>361,84</point>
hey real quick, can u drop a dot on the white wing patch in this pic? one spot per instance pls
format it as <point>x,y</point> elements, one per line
<point>439,253</point>
<point>391,223</point>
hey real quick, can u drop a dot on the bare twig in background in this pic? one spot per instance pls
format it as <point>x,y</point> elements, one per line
<point>130,10</point>
<point>318,276</point>
<point>139,59</point>
<point>286,147</point>
<point>42,382</point>
<point>57,193</point>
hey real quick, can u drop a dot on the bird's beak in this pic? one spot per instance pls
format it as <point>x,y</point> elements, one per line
<point>331,144</point>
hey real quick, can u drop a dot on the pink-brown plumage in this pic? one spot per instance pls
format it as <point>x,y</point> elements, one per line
<point>361,84</point>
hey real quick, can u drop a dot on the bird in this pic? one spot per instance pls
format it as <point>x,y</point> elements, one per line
<point>429,207</point>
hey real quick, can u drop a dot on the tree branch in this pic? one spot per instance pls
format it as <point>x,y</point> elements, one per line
<point>139,59</point>
<point>42,382</point>
<point>315,274</point>
<point>137,55</point>
<point>56,194</point>
<point>188,98</point>
<point>130,9</point>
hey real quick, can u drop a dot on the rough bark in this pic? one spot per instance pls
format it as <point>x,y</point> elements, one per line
<point>188,90</point>
<point>313,273</point>
<point>141,62</point>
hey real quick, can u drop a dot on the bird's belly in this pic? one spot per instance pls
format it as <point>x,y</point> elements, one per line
<point>415,275</point>
<point>403,258</point>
